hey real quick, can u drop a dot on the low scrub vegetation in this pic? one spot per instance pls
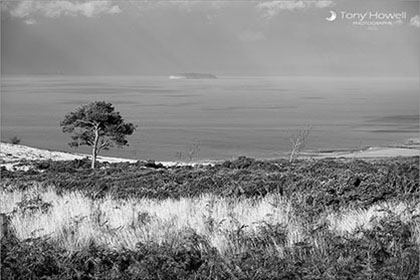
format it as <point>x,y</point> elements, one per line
<point>312,186</point>
<point>242,219</point>
<point>14,140</point>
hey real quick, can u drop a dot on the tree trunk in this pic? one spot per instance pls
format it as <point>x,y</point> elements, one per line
<point>95,148</point>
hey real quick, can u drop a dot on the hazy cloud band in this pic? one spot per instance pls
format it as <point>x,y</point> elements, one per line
<point>53,9</point>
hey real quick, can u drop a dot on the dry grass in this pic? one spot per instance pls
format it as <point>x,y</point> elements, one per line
<point>346,222</point>
<point>73,220</point>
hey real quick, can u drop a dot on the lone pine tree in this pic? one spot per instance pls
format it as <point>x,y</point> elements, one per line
<point>97,125</point>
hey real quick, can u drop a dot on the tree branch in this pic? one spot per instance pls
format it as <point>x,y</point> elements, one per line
<point>86,122</point>
<point>104,145</point>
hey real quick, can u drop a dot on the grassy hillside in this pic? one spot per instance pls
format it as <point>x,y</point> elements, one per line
<point>245,219</point>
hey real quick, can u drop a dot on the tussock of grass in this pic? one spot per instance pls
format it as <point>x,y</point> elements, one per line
<point>75,219</point>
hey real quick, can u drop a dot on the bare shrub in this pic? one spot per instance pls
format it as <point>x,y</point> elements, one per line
<point>190,153</point>
<point>298,143</point>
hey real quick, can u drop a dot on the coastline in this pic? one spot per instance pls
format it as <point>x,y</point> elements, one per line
<point>409,148</point>
<point>13,155</point>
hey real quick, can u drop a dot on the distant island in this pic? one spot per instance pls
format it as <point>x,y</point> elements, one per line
<point>193,76</point>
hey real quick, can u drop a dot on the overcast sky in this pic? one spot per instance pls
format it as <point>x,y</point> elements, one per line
<point>221,37</point>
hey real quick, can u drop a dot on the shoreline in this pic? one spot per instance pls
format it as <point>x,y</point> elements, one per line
<point>411,147</point>
<point>12,155</point>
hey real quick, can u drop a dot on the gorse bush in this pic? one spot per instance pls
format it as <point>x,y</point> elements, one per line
<point>15,140</point>
<point>63,166</point>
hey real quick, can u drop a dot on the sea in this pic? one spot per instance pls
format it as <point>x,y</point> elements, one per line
<point>217,119</point>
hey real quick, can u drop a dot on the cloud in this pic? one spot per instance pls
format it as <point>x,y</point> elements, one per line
<point>272,8</point>
<point>184,5</point>
<point>251,36</point>
<point>30,21</point>
<point>54,9</point>
<point>415,21</point>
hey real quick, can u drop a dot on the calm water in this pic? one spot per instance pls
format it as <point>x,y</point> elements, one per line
<point>228,117</point>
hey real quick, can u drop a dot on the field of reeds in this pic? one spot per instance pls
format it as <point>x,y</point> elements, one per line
<point>242,219</point>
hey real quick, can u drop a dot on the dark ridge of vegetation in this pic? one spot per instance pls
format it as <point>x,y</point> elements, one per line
<point>386,251</point>
<point>312,186</point>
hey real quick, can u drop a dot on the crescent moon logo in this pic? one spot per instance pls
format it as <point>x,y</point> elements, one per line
<point>332,17</point>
